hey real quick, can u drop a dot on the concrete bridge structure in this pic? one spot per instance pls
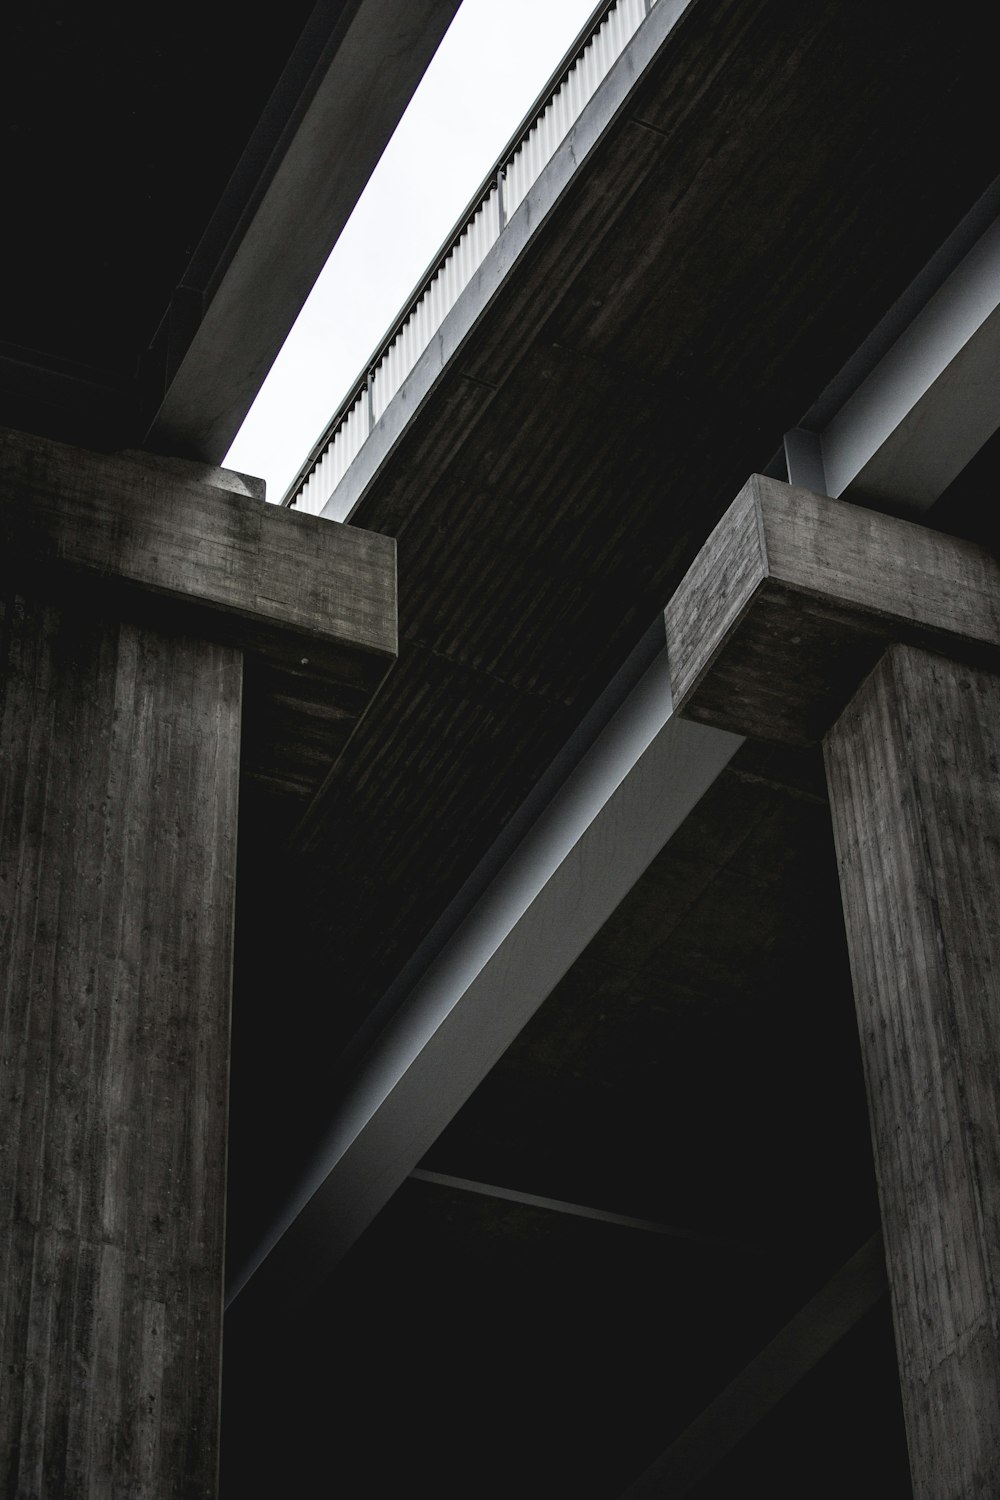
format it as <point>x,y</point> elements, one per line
<point>614,1008</point>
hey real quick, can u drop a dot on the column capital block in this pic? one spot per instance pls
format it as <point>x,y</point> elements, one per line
<point>794,597</point>
<point>311,603</point>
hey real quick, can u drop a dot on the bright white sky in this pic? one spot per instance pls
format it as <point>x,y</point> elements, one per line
<point>495,59</point>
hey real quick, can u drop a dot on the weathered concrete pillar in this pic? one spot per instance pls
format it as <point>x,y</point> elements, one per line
<point>130,601</point>
<point>914,773</point>
<point>120,748</point>
<point>807,619</point>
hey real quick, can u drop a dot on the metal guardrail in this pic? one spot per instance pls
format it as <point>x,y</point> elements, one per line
<point>588,62</point>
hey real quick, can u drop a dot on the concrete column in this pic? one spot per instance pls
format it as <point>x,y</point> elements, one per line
<point>168,648</point>
<point>914,774</point>
<point>807,620</point>
<point>120,748</point>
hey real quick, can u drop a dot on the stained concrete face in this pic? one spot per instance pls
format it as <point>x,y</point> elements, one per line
<point>120,747</point>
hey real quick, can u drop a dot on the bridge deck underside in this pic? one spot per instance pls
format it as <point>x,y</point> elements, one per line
<point>767,190</point>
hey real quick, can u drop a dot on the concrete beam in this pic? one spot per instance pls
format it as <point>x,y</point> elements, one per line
<point>358,88</point>
<point>932,400</point>
<point>640,779</point>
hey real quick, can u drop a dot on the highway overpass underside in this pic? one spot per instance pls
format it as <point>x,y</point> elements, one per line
<point>550,1165</point>
<point>755,201</point>
<point>767,187</point>
<point>645,1256</point>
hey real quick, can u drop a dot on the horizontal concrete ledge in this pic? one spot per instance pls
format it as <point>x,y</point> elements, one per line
<point>793,598</point>
<point>312,604</point>
<point>258,574</point>
<point>195,472</point>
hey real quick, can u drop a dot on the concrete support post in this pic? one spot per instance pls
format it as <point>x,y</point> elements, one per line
<point>794,601</point>
<point>120,748</point>
<point>914,773</point>
<point>167,648</point>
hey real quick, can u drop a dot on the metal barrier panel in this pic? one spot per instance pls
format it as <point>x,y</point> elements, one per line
<point>337,456</point>
<point>513,179</point>
<point>436,301</point>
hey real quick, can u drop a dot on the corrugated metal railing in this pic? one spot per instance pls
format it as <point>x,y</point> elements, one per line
<point>597,48</point>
